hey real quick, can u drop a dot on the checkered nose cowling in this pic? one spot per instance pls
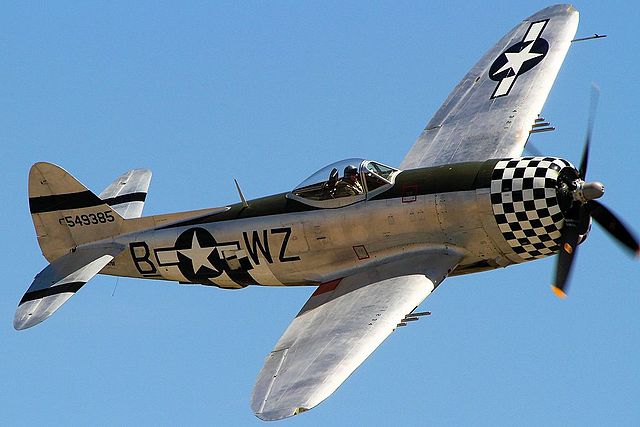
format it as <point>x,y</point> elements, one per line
<point>525,205</point>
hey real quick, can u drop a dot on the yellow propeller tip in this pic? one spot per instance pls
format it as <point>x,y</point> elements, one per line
<point>559,292</point>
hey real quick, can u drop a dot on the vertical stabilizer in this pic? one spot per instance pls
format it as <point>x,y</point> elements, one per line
<point>65,213</point>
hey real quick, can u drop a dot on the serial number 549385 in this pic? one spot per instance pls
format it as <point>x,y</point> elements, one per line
<point>88,219</point>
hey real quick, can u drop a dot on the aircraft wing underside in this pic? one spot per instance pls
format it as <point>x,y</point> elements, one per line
<point>339,327</point>
<point>490,112</point>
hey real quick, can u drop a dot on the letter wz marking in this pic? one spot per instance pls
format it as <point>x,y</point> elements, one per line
<point>285,241</point>
<point>255,244</point>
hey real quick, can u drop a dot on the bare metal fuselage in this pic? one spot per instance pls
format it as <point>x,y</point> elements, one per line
<point>276,241</point>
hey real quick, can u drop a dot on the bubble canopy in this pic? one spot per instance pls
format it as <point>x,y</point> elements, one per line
<point>344,182</point>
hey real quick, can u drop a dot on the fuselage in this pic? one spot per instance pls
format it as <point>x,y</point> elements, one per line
<point>488,210</point>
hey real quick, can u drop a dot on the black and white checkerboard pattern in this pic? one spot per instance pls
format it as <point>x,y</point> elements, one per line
<point>523,196</point>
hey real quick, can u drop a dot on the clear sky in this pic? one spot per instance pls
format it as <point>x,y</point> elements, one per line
<point>268,92</point>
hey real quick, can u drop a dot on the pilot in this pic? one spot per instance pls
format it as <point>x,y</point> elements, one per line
<point>349,185</point>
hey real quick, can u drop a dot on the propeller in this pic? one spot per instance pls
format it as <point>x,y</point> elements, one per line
<point>577,199</point>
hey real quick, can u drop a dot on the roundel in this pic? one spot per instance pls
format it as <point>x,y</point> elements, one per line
<point>198,257</point>
<point>518,59</point>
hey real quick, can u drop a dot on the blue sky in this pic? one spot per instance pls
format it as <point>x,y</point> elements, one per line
<point>268,92</point>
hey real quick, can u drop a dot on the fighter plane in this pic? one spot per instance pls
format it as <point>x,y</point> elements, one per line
<point>373,241</point>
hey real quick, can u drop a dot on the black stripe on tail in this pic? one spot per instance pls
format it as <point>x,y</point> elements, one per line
<point>61,202</point>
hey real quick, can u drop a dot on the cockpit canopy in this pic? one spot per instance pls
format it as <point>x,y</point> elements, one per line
<point>344,182</point>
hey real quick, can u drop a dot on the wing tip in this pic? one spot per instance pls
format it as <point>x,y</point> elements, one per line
<point>280,414</point>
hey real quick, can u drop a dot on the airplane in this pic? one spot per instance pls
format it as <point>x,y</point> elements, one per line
<point>374,241</point>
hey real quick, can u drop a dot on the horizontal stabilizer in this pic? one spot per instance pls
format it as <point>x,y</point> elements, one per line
<point>126,195</point>
<point>54,285</point>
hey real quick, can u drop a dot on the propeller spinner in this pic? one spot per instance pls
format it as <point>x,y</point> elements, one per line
<point>577,198</point>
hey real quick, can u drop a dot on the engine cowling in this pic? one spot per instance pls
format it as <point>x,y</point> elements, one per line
<point>529,198</point>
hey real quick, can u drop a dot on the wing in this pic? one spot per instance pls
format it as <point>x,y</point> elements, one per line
<point>338,328</point>
<point>491,111</point>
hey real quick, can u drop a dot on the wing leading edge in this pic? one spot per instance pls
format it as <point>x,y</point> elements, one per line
<point>341,324</point>
<point>490,112</point>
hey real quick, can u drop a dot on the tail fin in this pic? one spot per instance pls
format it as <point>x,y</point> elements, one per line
<point>126,195</point>
<point>65,213</point>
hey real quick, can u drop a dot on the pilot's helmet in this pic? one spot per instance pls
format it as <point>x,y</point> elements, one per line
<point>350,170</point>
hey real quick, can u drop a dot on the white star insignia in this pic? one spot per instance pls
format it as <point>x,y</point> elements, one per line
<point>198,255</point>
<point>517,59</point>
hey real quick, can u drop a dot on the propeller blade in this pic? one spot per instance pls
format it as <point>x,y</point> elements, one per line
<point>585,155</point>
<point>595,93</point>
<point>613,225</point>
<point>568,248</point>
